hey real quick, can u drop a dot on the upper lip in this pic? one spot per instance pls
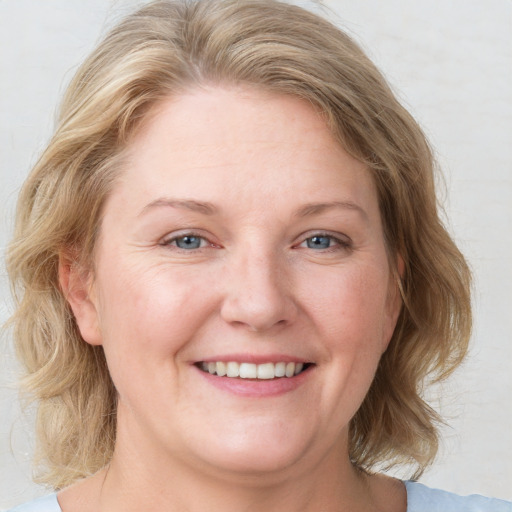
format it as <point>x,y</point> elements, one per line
<point>254,358</point>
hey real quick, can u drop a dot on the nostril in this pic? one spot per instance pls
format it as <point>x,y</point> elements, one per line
<point>258,315</point>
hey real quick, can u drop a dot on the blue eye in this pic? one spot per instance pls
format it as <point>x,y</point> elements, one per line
<point>319,242</point>
<point>188,242</point>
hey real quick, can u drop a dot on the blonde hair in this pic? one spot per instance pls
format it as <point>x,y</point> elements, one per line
<point>161,50</point>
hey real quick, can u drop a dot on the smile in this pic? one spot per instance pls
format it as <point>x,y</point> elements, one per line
<point>265,371</point>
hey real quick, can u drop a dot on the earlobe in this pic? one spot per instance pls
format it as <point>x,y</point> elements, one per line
<point>76,285</point>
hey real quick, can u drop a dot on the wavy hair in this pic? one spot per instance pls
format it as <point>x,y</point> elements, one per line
<point>163,49</point>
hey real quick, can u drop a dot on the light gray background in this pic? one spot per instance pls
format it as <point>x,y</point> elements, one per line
<point>451,63</point>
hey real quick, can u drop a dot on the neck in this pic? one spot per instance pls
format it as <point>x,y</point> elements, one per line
<point>183,488</point>
<point>141,477</point>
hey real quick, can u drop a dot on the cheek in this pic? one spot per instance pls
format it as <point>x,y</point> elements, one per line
<point>350,303</point>
<point>148,314</point>
<point>348,312</point>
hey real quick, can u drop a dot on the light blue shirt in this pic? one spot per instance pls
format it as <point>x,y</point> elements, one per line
<point>420,498</point>
<point>45,504</point>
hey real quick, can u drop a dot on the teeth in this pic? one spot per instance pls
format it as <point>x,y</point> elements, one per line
<point>280,369</point>
<point>221,369</point>
<point>265,371</point>
<point>248,371</point>
<point>233,369</point>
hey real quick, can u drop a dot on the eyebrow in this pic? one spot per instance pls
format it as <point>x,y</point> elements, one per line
<point>185,204</point>
<point>207,208</point>
<point>318,208</point>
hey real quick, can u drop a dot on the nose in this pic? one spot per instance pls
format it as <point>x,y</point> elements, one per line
<point>258,293</point>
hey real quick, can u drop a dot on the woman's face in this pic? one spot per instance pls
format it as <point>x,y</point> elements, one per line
<point>240,238</point>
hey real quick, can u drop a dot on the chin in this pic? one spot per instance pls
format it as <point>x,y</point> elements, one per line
<point>254,463</point>
<point>256,451</point>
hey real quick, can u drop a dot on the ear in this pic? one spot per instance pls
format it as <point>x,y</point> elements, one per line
<point>76,283</point>
<point>394,301</point>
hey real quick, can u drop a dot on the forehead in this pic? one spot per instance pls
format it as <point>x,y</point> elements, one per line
<point>244,144</point>
<point>231,116</point>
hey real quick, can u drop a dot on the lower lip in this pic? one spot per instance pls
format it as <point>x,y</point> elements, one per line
<point>257,388</point>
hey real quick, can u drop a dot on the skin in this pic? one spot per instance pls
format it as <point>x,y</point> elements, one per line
<point>255,176</point>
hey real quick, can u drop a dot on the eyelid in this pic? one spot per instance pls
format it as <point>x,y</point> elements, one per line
<point>168,239</point>
<point>341,240</point>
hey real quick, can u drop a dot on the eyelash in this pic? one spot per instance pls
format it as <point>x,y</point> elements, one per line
<point>340,244</point>
<point>173,241</point>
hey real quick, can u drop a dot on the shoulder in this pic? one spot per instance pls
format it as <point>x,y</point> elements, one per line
<point>421,498</point>
<point>45,504</point>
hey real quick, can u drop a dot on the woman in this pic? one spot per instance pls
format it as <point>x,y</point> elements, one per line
<point>231,274</point>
